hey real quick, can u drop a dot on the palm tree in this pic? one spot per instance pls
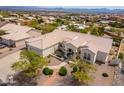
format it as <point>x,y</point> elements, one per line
<point>82,75</point>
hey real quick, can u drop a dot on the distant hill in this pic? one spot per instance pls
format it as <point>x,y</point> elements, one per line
<point>20,8</point>
<point>72,10</point>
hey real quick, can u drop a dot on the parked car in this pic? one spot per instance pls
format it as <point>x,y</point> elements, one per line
<point>2,83</point>
<point>2,46</point>
<point>114,62</point>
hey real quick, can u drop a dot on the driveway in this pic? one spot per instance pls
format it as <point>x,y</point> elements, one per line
<point>6,63</point>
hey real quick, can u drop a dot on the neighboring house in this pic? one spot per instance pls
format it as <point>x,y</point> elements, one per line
<point>13,28</point>
<point>87,47</point>
<point>105,21</point>
<point>2,23</point>
<point>12,39</point>
<point>115,62</point>
<point>63,27</point>
<point>107,28</point>
<point>81,26</point>
<point>48,19</point>
<point>17,34</point>
<point>34,33</point>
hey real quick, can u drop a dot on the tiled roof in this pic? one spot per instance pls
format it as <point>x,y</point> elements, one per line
<point>77,39</point>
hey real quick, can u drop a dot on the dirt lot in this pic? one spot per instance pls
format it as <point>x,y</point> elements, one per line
<point>99,80</point>
<point>55,79</point>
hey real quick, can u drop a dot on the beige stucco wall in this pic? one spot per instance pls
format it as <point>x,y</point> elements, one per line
<point>93,55</point>
<point>50,50</point>
<point>36,50</point>
<point>44,52</point>
<point>68,45</point>
<point>102,56</point>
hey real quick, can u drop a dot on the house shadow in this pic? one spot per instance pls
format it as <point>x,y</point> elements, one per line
<point>99,62</point>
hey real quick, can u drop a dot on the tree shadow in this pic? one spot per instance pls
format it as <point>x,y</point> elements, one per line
<point>69,81</point>
<point>22,80</point>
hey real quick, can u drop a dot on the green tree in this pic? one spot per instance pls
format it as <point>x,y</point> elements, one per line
<point>117,24</point>
<point>40,20</point>
<point>5,13</point>
<point>29,63</point>
<point>35,24</point>
<point>46,28</point>
<point>59,22</point>
<point>82,73</point>
<point>2,32</point>
<point>121,56</point>
<point>84,30</point>
<point>71,28</point>
<point>98,31</point>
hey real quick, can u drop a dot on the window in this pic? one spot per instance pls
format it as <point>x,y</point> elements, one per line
<point>79,52</point>
<point>60,45</point>
<point>70,50</point>
<point>88,57</point>
<point>85,56</point>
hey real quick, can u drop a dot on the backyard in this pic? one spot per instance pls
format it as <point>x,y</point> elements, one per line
<point>99,80</point>
<point>57,80</point>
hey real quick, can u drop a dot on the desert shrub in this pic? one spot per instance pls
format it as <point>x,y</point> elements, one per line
<point>62,71</point>
<point>2,32</point>
<point>75,68</point>
<point>121,56</point>
<point>47,71</point>
<point>105,75</point>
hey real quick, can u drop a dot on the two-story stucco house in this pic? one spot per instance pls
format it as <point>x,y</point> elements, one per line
<point>87,47</point>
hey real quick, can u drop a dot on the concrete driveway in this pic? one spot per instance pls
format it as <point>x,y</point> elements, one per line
<point>6,63</point>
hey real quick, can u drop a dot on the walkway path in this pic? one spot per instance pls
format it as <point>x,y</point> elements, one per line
<point>51,79</point>
<point>58,66</point>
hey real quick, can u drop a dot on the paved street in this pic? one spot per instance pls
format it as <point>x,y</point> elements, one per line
<point>5,64</point>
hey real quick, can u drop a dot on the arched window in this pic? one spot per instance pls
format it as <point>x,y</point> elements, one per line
<point>70,50</point>
<point>88,57</point>
<point>85,56</point>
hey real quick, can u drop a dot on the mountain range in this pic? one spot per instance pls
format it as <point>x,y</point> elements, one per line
<point>62,9</point>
